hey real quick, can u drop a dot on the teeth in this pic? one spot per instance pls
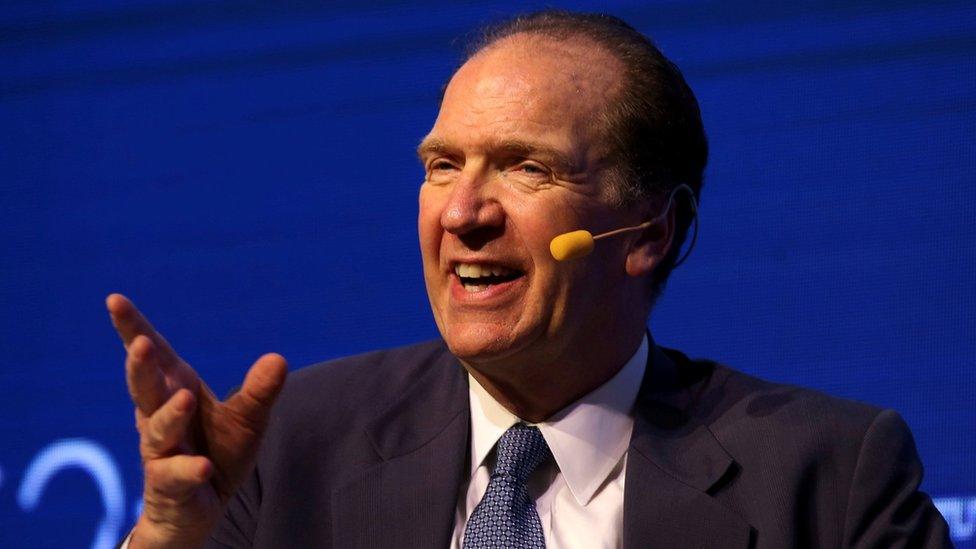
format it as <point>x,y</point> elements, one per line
<point>474,270</point>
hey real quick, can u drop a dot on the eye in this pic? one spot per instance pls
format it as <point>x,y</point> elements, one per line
<point>533,169</point>
<point>441,171</point>
<point>441,164</point>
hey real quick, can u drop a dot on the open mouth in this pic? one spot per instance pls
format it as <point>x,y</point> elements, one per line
<point>476,277</point>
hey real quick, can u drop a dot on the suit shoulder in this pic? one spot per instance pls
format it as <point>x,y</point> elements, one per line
<point>765,398</point>
<point>360,381</point>
<point>734,401</point>
<point>847,467</point>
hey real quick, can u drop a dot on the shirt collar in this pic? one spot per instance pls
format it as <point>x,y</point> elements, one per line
<point>587,438</point>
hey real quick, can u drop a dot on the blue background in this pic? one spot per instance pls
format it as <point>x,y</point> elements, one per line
<point>245,172</point>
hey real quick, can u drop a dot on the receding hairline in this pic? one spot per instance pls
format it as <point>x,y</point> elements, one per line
<point>594,61</point>
<point>601,56</point>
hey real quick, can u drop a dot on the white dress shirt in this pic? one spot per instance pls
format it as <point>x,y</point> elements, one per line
<point>580,497</point>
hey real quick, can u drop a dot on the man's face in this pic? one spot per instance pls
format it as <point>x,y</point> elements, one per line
<point>516,156</point>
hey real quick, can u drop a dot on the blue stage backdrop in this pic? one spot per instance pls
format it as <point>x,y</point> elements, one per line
<point>245,171</point>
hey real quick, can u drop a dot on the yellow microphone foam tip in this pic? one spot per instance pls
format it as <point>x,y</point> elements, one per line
<point>571,245</point>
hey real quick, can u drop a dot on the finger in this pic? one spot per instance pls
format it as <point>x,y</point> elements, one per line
<point>164,431</point>
<point>176,477</point>
<point>147,385</point>
<point>129,323</point>
<point>126,318</point>
<point>262,384</point>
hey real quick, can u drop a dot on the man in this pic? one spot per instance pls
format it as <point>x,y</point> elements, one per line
<point>547,415</point>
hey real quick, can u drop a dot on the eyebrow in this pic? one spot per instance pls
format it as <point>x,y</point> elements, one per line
<point>428,146</point>
<point>513,147</point>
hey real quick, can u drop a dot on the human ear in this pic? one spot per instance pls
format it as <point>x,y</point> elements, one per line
<point>651,246</point>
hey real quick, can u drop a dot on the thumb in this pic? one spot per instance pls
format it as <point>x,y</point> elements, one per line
<point>262,384</point>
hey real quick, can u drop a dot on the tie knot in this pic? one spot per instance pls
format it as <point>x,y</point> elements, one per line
<point>520,450</point>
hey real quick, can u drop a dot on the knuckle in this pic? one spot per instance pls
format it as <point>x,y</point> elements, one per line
<point>151,470</point>
<point>155,437</point>
<point>153,445</point>
<point>162,478</point>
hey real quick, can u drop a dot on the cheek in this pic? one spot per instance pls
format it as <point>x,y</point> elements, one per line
<point>536,221</point>
<point>570,286</point>
<point>537,224</point>
<point>544,216</point>
<point>428,224</point>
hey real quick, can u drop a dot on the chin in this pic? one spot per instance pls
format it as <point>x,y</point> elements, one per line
<point>483,343</point>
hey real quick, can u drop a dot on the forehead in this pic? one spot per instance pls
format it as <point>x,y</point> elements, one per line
<point>525,85</point>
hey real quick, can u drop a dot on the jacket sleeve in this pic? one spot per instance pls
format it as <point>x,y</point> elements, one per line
<point>885,507</point>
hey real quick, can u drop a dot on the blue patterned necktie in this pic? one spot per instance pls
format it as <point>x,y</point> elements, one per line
<point>506,518</point>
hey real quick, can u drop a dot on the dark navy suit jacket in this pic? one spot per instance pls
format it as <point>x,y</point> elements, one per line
<point>370,451</point>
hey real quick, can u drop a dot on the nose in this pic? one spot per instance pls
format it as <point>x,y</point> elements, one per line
<point>473,209</point>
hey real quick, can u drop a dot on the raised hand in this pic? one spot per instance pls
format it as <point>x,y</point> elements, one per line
<point>196,450</point>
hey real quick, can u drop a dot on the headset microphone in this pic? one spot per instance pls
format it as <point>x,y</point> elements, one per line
<point>580,243</point>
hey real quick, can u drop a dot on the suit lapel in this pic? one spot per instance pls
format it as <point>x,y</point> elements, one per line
<point>674,464</point>
<point>409,498</point>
